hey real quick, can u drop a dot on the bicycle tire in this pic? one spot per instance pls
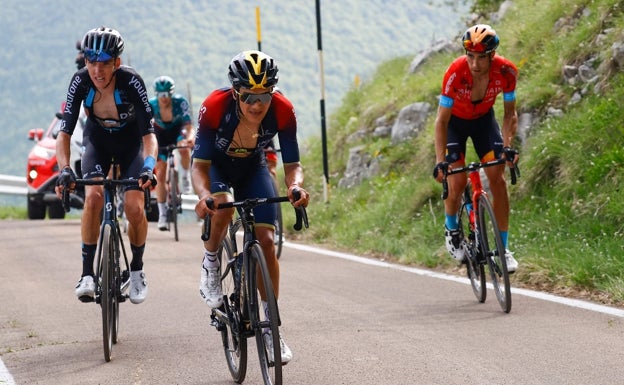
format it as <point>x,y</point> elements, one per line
<point>494,252</point>
<point>174,200</point>
<point>107,294</point>
<point>271,372</point>
<point>279,232</point>
<point>475,270</point>
<point>232,334</point>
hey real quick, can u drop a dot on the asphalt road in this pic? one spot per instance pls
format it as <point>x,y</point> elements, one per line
<point>346,322</point>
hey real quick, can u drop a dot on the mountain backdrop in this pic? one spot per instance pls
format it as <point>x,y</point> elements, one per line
<point>193,42</point>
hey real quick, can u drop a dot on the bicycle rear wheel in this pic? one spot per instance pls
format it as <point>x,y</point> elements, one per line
<point>475,270</point>
<point>174,200</point>
<point>265,323</point>
<point>232,332</point>
<point>107,285</point>
<point>494,252</point>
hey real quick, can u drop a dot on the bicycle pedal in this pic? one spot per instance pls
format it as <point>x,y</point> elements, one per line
<point>86,299</point>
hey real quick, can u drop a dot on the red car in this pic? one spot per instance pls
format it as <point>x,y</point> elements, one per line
<point>42,170</point>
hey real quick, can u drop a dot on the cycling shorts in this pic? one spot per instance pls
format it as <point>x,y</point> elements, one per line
<point>96,161</point>
<point>249,178</point>
<point>484,132</point>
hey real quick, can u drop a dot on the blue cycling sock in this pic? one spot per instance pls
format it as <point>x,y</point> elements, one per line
<point>504,235</point>
<point>451,222</point>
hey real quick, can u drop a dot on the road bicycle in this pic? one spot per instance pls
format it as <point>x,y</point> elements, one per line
<point>481,234</point>
<point>113,272</point>
<point>174,196</point>
<point>240,315</point>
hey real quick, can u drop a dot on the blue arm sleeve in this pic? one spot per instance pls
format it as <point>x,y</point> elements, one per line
<point>509,96</point>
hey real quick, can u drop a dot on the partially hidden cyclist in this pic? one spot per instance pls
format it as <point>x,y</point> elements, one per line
<point>235,125</point>
<point>469,90</point>
<point>118,125</point>
<point>173,125</point>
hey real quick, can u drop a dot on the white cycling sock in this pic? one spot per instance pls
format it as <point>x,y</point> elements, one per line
<point>162,208</point>
<point>210,260</point>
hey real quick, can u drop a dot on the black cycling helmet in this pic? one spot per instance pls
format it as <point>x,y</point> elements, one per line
<point>164,84</point>
<point>253,69</point>
<point>102,44</point>
<point>480,38</point>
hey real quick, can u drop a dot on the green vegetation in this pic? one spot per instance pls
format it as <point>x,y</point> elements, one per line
<point>566,226</point>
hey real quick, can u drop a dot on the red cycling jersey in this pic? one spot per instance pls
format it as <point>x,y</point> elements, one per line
<point>457,87</point>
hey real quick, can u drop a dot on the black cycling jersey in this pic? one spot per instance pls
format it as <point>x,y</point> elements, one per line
<point>135,112</point>
<point>103,137</point>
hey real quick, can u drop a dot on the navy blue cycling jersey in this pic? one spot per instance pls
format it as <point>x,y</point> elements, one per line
<point>133,107</point>
<point>105,138</point>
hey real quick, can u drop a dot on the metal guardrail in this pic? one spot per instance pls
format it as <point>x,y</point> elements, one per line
<point>13,185</point>
<point>16,185</point>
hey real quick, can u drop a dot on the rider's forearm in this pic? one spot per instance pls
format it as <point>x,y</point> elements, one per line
<point>62,150</point>
<point>150,146</point>
<point>293,174</point>
<point>200,178</point>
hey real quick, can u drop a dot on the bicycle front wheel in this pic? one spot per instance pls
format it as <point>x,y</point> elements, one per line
<point>265,322</point>
<point>475,270</point>
<point>279,232</point>
<point>494,252</point>
<point>232,331</point>
<point>107,289</point>
<point>174,200</point>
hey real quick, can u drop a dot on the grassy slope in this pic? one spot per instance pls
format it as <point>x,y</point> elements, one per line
<point>566,226</point>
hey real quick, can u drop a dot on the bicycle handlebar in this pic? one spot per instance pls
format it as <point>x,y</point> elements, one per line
<point>474,166</point>
<point>171,147</point>
<point>102,182</point>
<point>301,214</point>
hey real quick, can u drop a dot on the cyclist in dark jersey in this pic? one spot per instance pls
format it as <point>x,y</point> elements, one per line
<point>172,124</point>
<point>235,124</point>
<point>118,125</point>
<point>469,90</point>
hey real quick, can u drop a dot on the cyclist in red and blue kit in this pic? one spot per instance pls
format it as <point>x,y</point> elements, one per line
<point>235,125</point>
<point>119,125</point>
<point>469,90</point>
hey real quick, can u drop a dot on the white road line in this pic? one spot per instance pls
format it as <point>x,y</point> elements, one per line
<point>527,293</point>
<point>5,376</point>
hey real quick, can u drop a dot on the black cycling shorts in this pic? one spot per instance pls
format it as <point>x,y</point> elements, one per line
<point>484,132</point>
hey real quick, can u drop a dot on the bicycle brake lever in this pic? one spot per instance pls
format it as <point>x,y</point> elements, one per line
<point>65,199</point>
<point>301,218</point>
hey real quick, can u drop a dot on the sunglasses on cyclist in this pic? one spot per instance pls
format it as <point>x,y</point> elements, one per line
<point>250,98</point>
<point>163,94</point>
<point>93,55</point>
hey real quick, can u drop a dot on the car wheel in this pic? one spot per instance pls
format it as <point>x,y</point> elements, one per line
<point>56,211</point>
<point>36,209</point>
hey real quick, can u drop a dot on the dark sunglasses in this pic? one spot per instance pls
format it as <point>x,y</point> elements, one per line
<point>93,55</point>
<point>250,98</point>
<point>163,94</point>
